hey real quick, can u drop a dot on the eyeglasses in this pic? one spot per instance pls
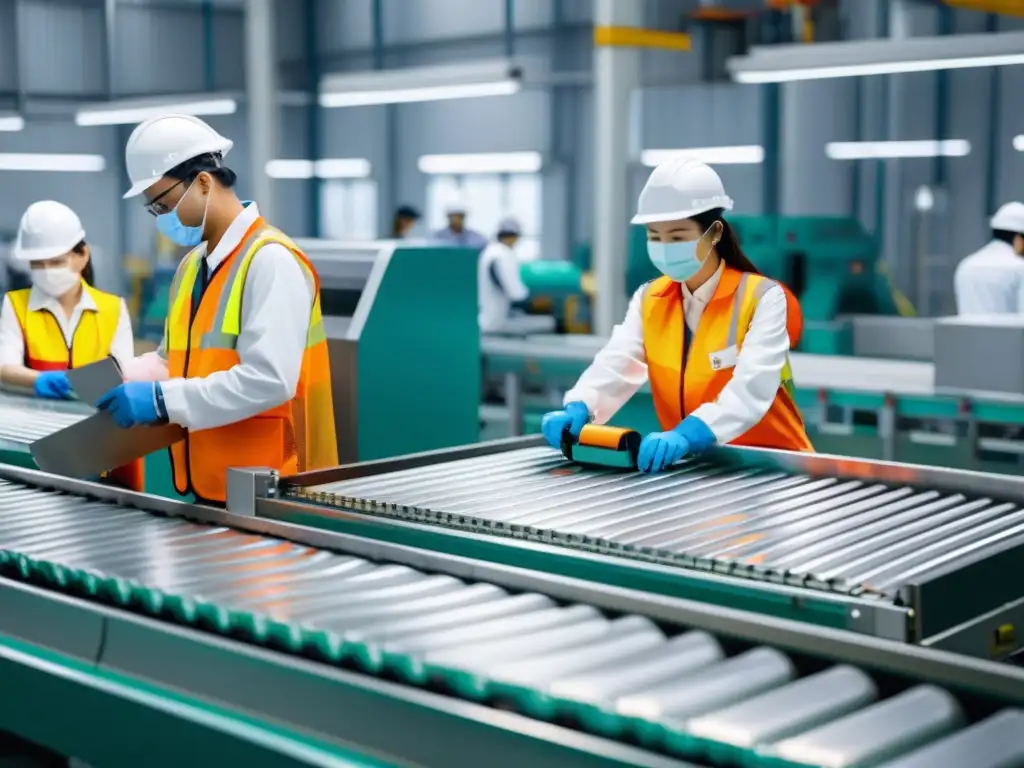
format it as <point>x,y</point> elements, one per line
<point>155,208</point>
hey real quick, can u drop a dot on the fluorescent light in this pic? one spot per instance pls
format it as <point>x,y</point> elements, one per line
<point>886,68</point>
<point>436,83</point>
<point>494,162</point>
<point>883,150</point>
<point>740,155</point>
<point>11,122</point>
<point>858,58</point>
<point>330,168</point>
<point>1018,143</point>
<point>42,161</point>
<point>409,95</point>
<point>130,112</point>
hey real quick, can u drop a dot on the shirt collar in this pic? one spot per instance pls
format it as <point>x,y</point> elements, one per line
<point>233,236</point>
<point>706,291</point>
<point>38,300</point>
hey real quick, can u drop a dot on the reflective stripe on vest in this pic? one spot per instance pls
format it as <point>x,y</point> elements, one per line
<point>762,287</point>
<point>46,349</point>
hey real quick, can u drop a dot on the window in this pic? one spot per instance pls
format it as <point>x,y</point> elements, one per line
<point>348,209</point>
<point>489,198</point>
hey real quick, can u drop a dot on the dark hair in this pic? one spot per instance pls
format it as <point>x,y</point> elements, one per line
<point>403,212</point>
<point>503,233</point>
<point>87,274</point>
<point>729,246</point>
<point>1005,235</point>
<point>211,163</point>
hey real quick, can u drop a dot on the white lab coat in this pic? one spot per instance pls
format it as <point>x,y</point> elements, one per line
<point>276,306</point>
<point>990,281</point>
<point>498,261</point>
<point>12,341</point>
<point>620,368</point>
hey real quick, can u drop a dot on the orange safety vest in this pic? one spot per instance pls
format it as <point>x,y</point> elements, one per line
<point>294,436</point>
<point>47,350</point>
<point>686,373</point>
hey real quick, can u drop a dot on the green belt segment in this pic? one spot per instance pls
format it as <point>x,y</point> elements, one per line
<point>619,677</point>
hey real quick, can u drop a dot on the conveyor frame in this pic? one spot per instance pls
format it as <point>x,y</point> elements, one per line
<point>966,628</point>
<point>286,691</point>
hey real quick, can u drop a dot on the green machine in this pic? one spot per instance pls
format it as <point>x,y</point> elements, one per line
<point>405,367</point>
<point>830,263</point>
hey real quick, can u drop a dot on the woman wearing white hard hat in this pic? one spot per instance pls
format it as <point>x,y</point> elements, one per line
<point>62,321</point>
<point>991,280</point>
<point>712,336</point>
<point>243,365</point>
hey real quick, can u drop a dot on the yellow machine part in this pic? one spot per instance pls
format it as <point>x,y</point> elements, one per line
<point>1007,7</point>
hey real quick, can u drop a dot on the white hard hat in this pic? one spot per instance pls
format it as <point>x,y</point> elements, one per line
<point>1009,218</point>
<point>48,229</point>
<point>161,143</point>
<point>510,225</point>
<point>679,189</point>
<point>455,205</point>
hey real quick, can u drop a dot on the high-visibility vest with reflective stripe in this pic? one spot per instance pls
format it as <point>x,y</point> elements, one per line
<point>47,350</point>
<point>294,436</point>
<point>679,386</point>
<point>45,346</point>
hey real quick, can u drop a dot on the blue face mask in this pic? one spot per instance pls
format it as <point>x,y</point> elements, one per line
<point>675,260</point>
<point>171,227</point>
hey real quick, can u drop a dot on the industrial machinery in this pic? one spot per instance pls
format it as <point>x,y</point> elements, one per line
<point>405,368</point>
<point>140,631</point>
<point>896,551</point>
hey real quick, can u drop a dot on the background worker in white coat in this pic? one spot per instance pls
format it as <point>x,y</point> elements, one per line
<point>712,316</point>
<point>243,364</point>
<point>991,281</point>
<point>499,284</point>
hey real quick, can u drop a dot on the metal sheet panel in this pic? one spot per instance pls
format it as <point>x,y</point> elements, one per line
<point>60,47</point>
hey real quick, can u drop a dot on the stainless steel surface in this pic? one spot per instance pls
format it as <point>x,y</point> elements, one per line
<point>979,354</point>
<point>246,484</point>
<point>997,742</point>
<point>91,382</point>
<point>872,735</point>
<point>854,536</point>
<point>898,338</point>
<point>487,634</point>
<point>109,446</point>
<point>21,425</point>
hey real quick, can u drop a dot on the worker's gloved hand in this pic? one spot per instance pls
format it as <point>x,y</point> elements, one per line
<point>132,403</point>
<point>573,417</point>
<point>53,385</point>
<point>662,449</point>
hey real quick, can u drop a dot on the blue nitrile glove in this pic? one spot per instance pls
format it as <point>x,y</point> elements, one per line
<point>663,449</point>
<point>53,385</point>
<point>573,417</point>
<point>134,402</point>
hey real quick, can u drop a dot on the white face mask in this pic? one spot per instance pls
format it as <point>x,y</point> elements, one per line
<point>55,281</point>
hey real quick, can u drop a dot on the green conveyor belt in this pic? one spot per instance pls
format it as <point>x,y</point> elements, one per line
<point>619,675</point>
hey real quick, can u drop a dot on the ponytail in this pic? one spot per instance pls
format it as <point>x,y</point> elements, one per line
<point>87,274</point>
<point>728,247</point>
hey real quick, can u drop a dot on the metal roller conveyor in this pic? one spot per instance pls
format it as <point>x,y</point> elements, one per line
<point>20,423</point>
<point>855,530</point>
<point>669,686</point>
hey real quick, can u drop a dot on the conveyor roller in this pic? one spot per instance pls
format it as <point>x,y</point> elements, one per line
<point>852,536</point>
<point>674,689</point>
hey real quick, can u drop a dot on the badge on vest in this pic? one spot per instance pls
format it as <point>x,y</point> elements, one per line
<point>723,359</point>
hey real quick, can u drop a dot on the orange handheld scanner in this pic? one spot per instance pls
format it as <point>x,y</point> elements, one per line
<point>603,446</point>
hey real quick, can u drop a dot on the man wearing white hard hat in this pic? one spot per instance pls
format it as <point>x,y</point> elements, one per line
<point>991,281</point>
<point>243,365</point>
<point>499,285</point>
<point>712,335</point>
<point>62,321</point>
<point>456,233</point>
